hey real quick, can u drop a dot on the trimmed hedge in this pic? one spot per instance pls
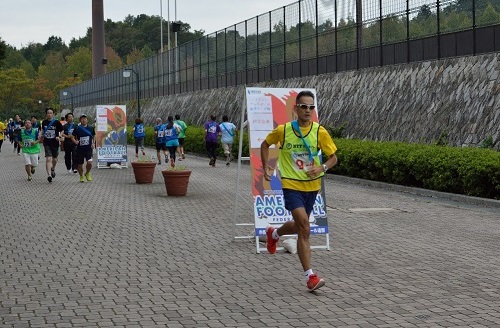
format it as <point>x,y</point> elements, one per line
<point>467,171</point>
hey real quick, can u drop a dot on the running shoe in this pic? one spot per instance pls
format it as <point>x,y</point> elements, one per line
<point>32,170</point>
<point>69,171</point>
<point>271,242</point>
<point>159,162</point>
<point>183,156</point>
<point>49,179</point>
<point>88,176</point>
<point>227,163</point>
<point>75,171</point>
<point>314,282</point>
<point>52,173</point>
<point>212,162</point>
<point>172,162</point>
<point>82,179</point>
<point>166,159</point>
<point>29,178</point>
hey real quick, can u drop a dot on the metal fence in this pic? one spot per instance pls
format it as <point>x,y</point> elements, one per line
<point>304,38</point>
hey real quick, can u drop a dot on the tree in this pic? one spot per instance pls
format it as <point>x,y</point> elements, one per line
<point>134,56</point>
<point>15,89</point>
<point>53,70</point>
<point>80,62</point>
<point>114,61</point>
<point>41,91</point>
<point>54,44</point>
<point>35,54</point>
<point>147,52</point>
<point>3,49</point>
<point>489,17</point>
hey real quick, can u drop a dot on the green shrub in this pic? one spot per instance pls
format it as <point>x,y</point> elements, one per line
<point>468,171</point>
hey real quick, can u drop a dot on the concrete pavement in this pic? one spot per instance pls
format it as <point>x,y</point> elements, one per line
<point>111,253</point>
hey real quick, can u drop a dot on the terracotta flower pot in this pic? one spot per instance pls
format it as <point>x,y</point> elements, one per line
<point>176,182</point>
<point>144,171</point>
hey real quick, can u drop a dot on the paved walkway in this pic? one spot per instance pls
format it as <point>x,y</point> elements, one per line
<point>114,253</point>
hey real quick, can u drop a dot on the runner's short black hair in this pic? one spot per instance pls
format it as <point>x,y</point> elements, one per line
<point>177,117</point>
<point>305,93</point>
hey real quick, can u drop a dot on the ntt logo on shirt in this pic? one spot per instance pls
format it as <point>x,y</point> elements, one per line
<point>254,92</point>
<point>288,146</point>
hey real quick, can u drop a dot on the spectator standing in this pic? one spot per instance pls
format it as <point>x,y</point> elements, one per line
<point>228,131</point>
<point>212,131</point>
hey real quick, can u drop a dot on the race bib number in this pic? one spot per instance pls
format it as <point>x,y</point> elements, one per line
<point>161,134</point>
<point>212,129</point>
<point>70,132</point>
<point>50,134</point>
<point>169,133</point>
<point>28,142</point>
<point>84,141</point>
<point>301,161</point>
<point>140,129</point>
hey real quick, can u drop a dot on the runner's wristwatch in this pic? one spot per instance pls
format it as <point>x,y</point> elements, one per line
<point>325,168</point>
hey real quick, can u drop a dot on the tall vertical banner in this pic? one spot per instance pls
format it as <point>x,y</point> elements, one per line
<point>266,109</point>
<point>111,138</point>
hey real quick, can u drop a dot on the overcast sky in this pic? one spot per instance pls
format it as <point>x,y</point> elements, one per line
<point>25,21</point>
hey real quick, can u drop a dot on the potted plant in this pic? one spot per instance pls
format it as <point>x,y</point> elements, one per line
<point>176,180</point>
<point>144,170</point>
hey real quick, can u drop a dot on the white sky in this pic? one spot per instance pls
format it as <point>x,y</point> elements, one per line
<point>25,21</point>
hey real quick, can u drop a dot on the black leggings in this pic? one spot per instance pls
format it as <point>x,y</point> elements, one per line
<point>70,156</point>
<point>171,150</point>
<point>212,150</point>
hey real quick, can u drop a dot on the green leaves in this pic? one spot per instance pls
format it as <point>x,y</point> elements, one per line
<point>468,171</point>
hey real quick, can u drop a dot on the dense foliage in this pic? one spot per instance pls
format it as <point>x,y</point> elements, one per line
<point>468,171</point>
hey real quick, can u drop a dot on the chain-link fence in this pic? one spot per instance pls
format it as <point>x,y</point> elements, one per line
<point>305,38</point>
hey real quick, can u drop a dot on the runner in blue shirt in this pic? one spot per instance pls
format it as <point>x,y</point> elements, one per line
<point>84,139</point>
<point>172,131</point>
<point>160,140</point>
<point>139,135</point>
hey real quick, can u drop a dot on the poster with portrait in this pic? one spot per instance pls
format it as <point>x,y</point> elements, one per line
<point>111,134</point>
<point>266,109</point>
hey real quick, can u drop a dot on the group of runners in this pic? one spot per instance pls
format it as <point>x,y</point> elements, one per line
<point>301,183</point>
<point>168,137</point>
<point>29,137</point>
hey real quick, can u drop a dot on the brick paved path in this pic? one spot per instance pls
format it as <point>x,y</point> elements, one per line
<point>114,253</point>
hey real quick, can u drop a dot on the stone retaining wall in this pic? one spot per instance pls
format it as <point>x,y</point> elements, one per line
<point>455,98</point>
